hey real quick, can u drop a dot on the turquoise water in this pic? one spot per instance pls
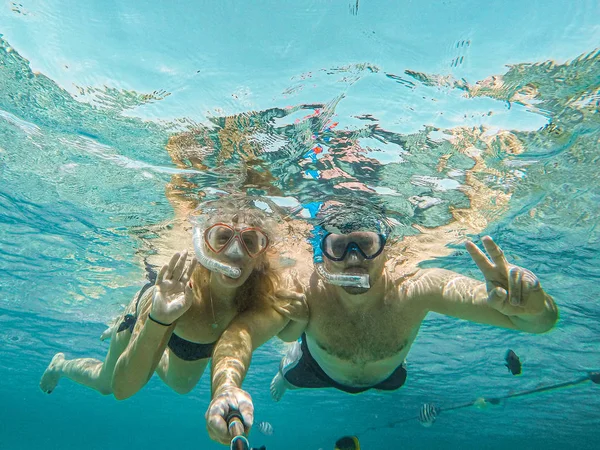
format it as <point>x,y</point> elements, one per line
<point>480,117</point>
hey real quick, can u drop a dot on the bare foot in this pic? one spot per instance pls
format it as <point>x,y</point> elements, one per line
<point>107,333</point>
<point>279,384</point>
<point>278,387</point>
<point>52,374</point>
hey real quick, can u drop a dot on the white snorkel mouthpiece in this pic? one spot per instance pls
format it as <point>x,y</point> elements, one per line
<point>342,279</point>
<point>210,263</point>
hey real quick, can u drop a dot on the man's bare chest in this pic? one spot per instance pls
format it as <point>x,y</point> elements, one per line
<point>363,336</point>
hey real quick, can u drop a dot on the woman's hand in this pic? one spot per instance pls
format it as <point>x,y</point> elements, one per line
<point>292,303</point>
<point>222,404</point>
<point>173,293</point>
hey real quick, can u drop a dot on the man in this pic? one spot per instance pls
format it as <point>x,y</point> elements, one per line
<point>363,320</point>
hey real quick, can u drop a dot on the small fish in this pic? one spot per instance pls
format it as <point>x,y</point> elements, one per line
<point>262,447</point>
<point>265,428</point>
<point>513,363</point>
<point>428,414</point>
<point>347,443</point>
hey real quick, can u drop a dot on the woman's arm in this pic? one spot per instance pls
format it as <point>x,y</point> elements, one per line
<point>231,360</point>
<point>233,352</point>
<point>161,307</point>
<point>137,363</point>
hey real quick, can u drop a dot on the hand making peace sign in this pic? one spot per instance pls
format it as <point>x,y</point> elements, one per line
<point>512,290</point>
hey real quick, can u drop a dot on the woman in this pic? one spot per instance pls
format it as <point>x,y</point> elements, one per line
<point>172,327</point>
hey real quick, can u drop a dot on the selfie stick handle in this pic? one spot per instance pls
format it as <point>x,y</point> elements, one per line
<point>236,431</point>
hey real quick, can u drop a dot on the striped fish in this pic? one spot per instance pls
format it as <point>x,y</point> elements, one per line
<point>265,428</point>
<point>428,413</point>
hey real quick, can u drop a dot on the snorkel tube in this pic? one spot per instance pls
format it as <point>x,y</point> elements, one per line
<point>337,279</point>
<point>210,263</point>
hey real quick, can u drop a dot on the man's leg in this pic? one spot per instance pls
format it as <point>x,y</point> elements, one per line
<point>279,385</point>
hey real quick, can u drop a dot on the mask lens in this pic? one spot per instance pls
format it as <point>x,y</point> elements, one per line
<point>255,241</point>
<point>369,243</point>
<point>218,236</point>
<point>334,246</point>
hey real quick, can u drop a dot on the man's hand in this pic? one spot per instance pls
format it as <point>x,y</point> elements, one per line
<point>231,399</point>
<point>173,294</point>
<point>512,290</point>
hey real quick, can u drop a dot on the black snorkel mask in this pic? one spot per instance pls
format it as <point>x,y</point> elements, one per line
<point>335,242</point>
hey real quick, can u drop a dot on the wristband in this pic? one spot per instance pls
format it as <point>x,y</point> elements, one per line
<point>159,322</point>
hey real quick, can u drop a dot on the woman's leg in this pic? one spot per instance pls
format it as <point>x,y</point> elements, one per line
<point>92,372</point>
<point>181,376</point>
<point>89,372</point>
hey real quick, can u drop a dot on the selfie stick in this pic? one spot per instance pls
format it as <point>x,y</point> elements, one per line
<point>236,431</point>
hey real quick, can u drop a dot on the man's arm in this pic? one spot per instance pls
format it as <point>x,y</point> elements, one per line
<point>511,296</point>
<point>455,295</point>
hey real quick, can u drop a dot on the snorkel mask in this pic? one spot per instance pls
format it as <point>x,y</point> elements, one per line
<point>212,264</point>
<point>337,279</point>
<point>330,240</point>
<point>225,238</point>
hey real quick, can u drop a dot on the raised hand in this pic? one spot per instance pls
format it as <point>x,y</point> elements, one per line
<point>512,290</point>
<point>173,294</point>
